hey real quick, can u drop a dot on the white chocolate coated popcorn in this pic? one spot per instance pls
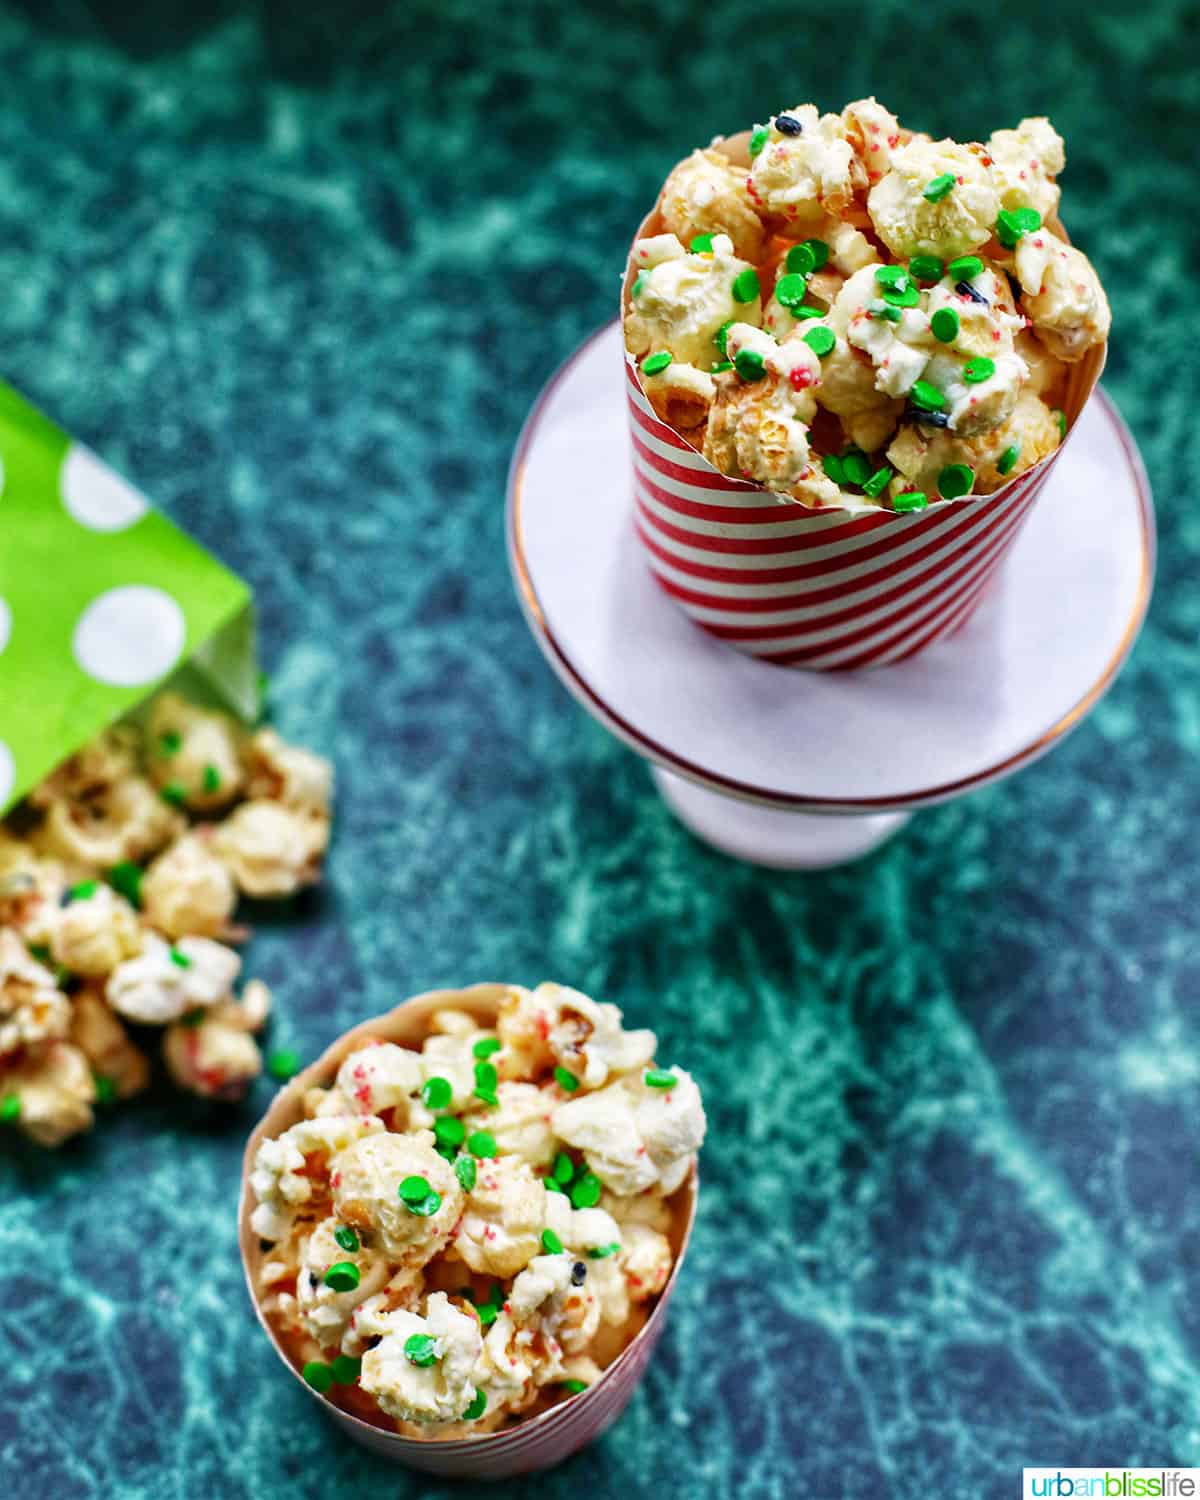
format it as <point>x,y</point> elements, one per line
<point>165,980</point>
<point>32,1007</point>
<point>759,427</point>
<point>196,751</point>
<point>960,221</point>
<point>95,932</point>
<point>1025,163</point>
<point>187,890</point>
<point>681,301</point>
<point>54,1088</point>
<point>503,1219</point>
<point>706,194</point>
<point>1063,295</point>
<point>366,1178</point>
<point>278,1178</point>
<point>324,1312</point>
<point>438,1393</point>
<point>635,1137</point>
<point>378,1077</point>
<point>798,176</point>
<point>270,849</point>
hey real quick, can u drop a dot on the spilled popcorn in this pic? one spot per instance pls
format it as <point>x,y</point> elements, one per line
<point>119,881</point>
<point>459,1236</point>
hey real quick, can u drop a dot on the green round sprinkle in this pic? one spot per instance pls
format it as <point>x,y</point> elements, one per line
<point>563,1169</point>
<point>759,137</point>
<point>10,1109</point>
<point>910,500</point>
<point>1027,219</point>
<point>883,313</point>
<point>346,1369</point>
<point>420,1349</point>
<point>746,285</point>
<point>602,1252</point>
<point>486,1076</point>
<point>790,290</point>
<point>1007,460</point>
<point>820,252</point>
<point>477,1407</point>
<point>566,1080</point>
<point>659,1078</point>
<point>83,890</point>
<point>638,283</point>
<point>857,466</point>
<point>586,1192</point>
<point>466,1172</point>
<point>965,268</point>
<point>346,1238</point>
<point>655,364</point>
<point>106,1089</point>
<point>180,960</point>
<point>318,1374</point>
<point>806,312</point>
<point>486,1046</point>
<point>169,743</point>
<point>895,277</point>
<point>342,1276</point>
<point>834,468</point>
<point>449,1130</point>
<point>1061,418</point>
<point>211,780</point>
<point>721,335</point>
<point>436,1093</point>
<point>1008,232</point>
<point>573,1387</point>
<point>936,190</point>
<point>944,324</point>
<point>488,1097</point>
<point>721,366</point>
<point>878,482</point>
<point>173,793</point>
<point>482,1143</point>
<point>126,880</point>
<point>926,268</point>
<point>192,1018</point>
<point>977,370</point>
<point>283,1063</point>
<point>800,260</point>
<point>926,396</point>
<point>820,341</point>
<point>414,1189</point>
<point>750,365</point>
<point>701,244</point>
<point>955,480</point>
<point>905,296</point>
<point>551,1243</point>
<point>487,1313</point>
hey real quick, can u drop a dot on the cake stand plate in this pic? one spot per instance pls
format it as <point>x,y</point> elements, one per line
<point>801,769</point>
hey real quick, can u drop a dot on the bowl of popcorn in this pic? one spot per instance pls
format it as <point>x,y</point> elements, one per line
<point>852,355</point>
<point>120,877</point>
<point>461,1226</point>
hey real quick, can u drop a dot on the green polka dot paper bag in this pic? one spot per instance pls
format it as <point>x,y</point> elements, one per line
<point>101,600</point>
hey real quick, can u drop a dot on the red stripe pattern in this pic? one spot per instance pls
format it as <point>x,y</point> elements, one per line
<point>824,590</point>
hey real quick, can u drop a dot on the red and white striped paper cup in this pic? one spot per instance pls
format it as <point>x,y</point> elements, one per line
<point>824,590</point>
<point>539,1442</point>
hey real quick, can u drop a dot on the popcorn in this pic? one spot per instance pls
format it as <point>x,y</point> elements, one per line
<point>75,899</point>
<point>706,194</point>
<point>54,1091</point>
<point>164,981</point>
<point>484,1263</point>
<point>270,849</point>
<point>187,890</point>
<point>681,300</point>
<point>886,253</point>
<point>32,1007</point>
<point>365,1178</point>
<point>635,1137</point>
<point>94,932</point>
<point>195,753</point>
<point>431,1393</point>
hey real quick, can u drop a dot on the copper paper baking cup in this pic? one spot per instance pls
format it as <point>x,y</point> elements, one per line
<point>541,1441</point>
<point>826,590</point>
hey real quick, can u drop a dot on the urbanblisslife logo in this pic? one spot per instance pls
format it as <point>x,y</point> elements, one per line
<point>1111,1484</point>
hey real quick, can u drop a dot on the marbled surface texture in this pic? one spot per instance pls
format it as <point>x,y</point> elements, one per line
<point>300,270</point>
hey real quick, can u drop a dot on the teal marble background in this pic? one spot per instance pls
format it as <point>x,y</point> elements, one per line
<point>300,271</point>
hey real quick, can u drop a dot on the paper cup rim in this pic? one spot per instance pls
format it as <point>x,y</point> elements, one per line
<point>1082,378</point>
<point>480,999</point>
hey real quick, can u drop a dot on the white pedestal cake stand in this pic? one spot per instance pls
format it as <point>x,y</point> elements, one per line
<point>802,770</point>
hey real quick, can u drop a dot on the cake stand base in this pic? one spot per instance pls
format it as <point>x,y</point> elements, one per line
<point>764,836</point>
